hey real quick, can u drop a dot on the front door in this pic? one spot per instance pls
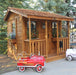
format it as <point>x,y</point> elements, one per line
<point>51,43</point>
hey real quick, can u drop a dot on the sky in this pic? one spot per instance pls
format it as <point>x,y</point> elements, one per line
<point>74,5</point>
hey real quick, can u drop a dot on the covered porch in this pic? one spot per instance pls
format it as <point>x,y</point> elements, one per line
<point>47,43</point>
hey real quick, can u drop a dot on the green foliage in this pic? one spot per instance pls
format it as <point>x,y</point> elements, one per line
<point>3,41</point>
<point>74,2</point>
<point>62,7</point>
<point>4,4</point>
<point>3,46</point>
<point>34,34</point>
<point>3,35</point>
<point>3,29</point>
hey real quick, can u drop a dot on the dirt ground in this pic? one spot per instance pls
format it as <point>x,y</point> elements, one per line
<point>7,64</point>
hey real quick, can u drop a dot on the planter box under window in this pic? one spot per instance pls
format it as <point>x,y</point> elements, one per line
<point>13,41</point>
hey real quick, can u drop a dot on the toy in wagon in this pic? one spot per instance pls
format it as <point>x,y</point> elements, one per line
<point>71,54</point>
<point>34,61</point>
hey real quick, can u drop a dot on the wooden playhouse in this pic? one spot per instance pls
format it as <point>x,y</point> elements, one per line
<point>38,33</point>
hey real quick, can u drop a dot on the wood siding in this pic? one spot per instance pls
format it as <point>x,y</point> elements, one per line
<point>45,45</point>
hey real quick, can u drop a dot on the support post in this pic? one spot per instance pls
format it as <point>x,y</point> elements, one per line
<point>30,35</point>
<point>57,39</point>
<point>60,23</point>
<point>23,34</point>
<point>46,38</point>
<point>68,34</point>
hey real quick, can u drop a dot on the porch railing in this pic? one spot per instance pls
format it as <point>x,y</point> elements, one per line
<point>63,44</point>
<point>38,47</point>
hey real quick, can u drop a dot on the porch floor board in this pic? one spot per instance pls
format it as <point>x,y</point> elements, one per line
<point>52,55</point>
<point>53,58</point>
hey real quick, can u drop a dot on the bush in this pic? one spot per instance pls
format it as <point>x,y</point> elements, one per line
<point>3,42</point>
<point>3,35</point>
<point>3,29</point>
<point>3,46</point>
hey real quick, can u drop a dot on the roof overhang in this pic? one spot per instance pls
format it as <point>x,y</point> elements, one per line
<point>62,18</point>
<point>52,18</point>
<point>9,11</point>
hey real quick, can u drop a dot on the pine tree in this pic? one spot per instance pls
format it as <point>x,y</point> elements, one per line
<point>4,4</point>
<point>62,7</point>
<point>70,8</point>
<point>3,41</point>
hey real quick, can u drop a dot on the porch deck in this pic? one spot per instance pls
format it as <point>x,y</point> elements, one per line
<point>38,47</point>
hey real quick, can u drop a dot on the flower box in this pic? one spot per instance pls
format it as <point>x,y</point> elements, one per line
<point>13,41</point>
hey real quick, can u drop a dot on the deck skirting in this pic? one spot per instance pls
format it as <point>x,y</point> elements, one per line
<point>49,59</point>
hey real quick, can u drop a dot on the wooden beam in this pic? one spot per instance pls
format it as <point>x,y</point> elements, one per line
<point>42,18</point>
<point>30,35</point>
<point>50,18</point>
<point>57,39</point>
<point>68,34</point>
<point>64,19</point>
<point>16,33</point>
<point>46,38</point>
<point>23,38</point>
<point>60,25</point>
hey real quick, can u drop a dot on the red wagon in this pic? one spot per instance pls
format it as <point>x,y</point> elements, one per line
<point>36,62</point>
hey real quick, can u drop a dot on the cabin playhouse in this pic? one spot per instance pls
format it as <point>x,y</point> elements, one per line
<point>38,33</point>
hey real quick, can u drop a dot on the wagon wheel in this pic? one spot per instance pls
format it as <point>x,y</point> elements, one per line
<point>38,68</point>
<point>69,58</point>
<point>21,69</point>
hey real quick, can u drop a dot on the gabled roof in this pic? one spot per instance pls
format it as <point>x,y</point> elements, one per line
<point>26,13</point>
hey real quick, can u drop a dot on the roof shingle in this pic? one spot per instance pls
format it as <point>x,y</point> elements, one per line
<point>27,12</point>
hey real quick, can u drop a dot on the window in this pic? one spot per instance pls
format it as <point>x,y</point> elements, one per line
<point>13,27</point>
<point>33,26</point>
<point>54,29</point>
<point>12,34</point>
<point>43,26</point>
<point>64,29</point>
<point>34,32</point>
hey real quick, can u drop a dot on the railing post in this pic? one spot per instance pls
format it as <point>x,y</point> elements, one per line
<point>30,35</point>
<point>60,23</point>
<point>46,38</point>
<point>68,34</point>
